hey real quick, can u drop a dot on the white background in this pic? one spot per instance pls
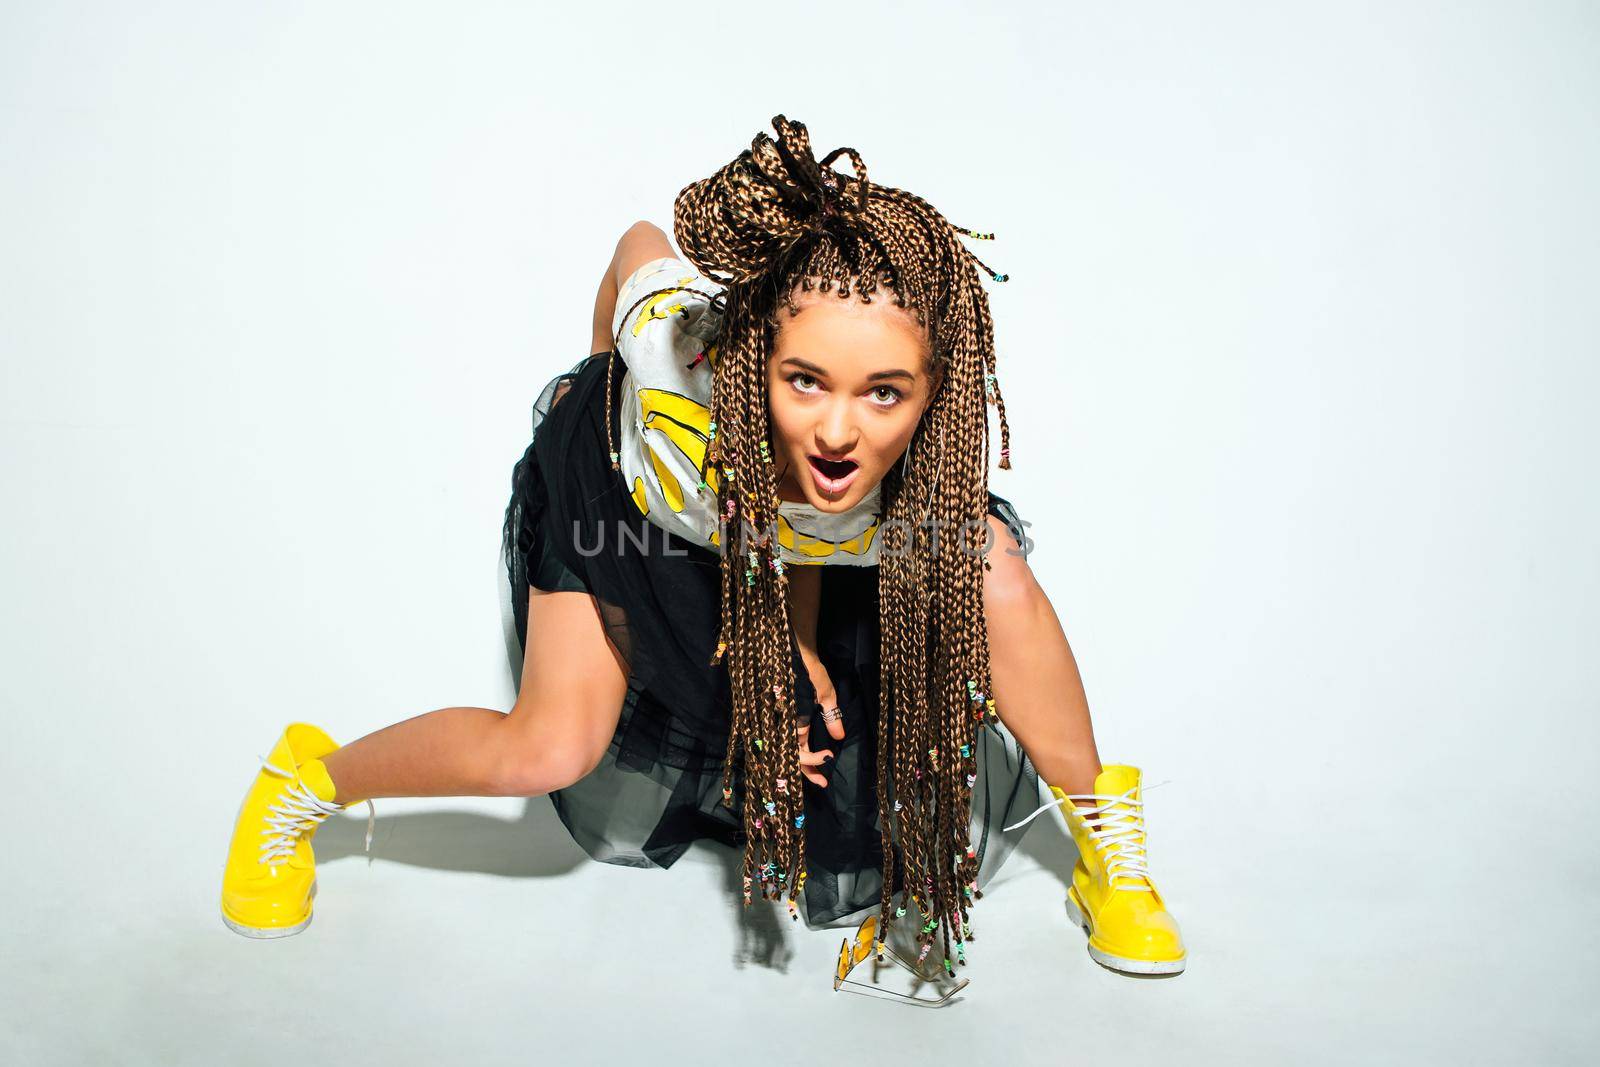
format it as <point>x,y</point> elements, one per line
<point>1298,351</point>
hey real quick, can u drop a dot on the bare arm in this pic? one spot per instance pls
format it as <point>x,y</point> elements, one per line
<point>805,600</point>
<point>642,242</point>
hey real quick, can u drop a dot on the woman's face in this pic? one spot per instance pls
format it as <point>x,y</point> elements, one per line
<point>847,384</point>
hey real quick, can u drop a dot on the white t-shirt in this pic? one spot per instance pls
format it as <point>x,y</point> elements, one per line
<point>666,422</point>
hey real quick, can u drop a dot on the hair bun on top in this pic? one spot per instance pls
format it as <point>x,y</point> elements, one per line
<point>742,220</point>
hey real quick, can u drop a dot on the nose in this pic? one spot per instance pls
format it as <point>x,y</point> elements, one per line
<point>836,429</point>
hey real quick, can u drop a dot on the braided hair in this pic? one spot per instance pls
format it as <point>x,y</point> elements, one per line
<point>772,221</point>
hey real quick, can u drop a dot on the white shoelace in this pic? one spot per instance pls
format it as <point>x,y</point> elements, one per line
<point>298,809</point>
<point>1117,834</point>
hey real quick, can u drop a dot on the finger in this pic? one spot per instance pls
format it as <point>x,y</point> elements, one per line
<point>836,728</point>
<point>814,777</point>
<point>809,758</point>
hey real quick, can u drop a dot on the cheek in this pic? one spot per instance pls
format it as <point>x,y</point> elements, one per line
<point>894,436</point>
<point>785,417</point>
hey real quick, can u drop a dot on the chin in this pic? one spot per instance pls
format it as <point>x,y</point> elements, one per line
<point>833,507</point>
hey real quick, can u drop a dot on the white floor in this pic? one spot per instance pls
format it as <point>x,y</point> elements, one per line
<point>482,933</point>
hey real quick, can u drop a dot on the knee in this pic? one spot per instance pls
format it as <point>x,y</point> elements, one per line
<point>1008,581</point>
<point>535,763</point>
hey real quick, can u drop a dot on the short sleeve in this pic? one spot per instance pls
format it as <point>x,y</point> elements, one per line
<point>668,345</point>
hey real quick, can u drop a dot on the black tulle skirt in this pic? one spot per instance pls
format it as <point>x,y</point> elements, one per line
<point>659,786</point>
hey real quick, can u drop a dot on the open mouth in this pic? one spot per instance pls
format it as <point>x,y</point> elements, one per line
<point>833,475</point>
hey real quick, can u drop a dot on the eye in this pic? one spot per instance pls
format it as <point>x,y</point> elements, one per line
<point>894,397</point>
<point>794,380</point>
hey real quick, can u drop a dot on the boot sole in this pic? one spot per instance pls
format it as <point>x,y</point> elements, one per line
<point>268,932</point>
<point>1120,963</point>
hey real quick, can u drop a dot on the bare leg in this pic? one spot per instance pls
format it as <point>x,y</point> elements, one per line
<point>573,682</point>
<point>1038,693</point>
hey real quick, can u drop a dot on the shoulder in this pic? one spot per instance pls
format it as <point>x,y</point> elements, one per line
<point>639,244</point>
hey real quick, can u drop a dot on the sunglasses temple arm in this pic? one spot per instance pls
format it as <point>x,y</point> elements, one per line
<point>901,960</point>
<point>907,996</point>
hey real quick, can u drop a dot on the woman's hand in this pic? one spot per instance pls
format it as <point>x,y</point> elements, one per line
<point>829,701</point>
<point>810,760</point>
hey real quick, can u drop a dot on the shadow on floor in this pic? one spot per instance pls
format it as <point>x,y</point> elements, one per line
<point>534,845</point>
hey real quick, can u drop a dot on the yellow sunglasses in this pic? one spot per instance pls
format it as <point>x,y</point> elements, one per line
<point>864,946</point>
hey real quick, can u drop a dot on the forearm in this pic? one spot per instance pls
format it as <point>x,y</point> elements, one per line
<point>805,602</point>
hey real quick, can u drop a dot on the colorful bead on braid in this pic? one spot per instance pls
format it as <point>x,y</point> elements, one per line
<point>975,259</point>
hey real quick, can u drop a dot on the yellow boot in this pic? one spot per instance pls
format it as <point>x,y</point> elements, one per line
<point>1112,896</point>
<point>271,872</point>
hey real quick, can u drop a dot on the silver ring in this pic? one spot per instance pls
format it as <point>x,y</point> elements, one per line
<point>831,715</point>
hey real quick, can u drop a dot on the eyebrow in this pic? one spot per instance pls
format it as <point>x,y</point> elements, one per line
<point>873,377</point>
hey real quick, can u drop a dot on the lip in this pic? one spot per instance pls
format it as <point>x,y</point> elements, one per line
<point>827,485</point>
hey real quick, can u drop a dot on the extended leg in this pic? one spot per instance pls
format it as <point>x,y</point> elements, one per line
<point>1038,693</point>
<point>1039,696</point>
<point>573,682</point>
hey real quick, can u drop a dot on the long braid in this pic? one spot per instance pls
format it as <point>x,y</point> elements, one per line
<point>772,222</point>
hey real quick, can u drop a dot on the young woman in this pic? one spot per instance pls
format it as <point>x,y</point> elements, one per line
<point>764,595</point>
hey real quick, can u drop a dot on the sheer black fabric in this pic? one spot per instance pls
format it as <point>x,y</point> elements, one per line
<point>571,525</point>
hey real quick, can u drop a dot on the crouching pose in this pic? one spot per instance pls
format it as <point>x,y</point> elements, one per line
<point>765,597</point>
